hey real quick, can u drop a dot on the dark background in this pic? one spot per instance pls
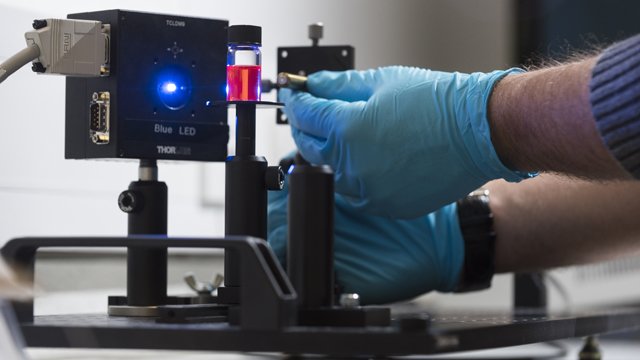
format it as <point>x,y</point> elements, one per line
<point>557,29</point>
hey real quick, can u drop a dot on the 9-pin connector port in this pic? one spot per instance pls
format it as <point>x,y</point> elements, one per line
<point>99,118</point>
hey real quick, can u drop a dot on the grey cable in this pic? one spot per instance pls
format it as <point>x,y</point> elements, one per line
<point>18,60</point>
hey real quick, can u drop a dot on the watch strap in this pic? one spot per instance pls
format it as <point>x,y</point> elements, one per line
<point>476,224</point>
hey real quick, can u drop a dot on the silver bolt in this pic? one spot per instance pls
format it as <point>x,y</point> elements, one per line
<point>350,300</point>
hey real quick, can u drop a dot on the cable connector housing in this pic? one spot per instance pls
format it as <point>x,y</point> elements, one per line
<point>71,47</point>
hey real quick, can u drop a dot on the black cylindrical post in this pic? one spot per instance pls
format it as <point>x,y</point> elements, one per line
<point>310,243</point>
<point>245,190</point>
<point>530,293</point>
<point>146,204</point>
<point>245,129</point>
<point>245,206</point>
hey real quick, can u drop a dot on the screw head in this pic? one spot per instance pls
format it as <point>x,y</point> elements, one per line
<point>128,201</point>
<point>39,24</point>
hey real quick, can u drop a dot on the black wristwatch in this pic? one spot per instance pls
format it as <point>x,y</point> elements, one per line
<point>476,224</point>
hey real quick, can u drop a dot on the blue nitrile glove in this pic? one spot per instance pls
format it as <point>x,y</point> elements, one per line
<point>383,260</point>
<point>402,141</point>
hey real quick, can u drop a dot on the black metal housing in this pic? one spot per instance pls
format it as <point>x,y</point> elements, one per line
<point>145,50</point>
<point>304,60</point>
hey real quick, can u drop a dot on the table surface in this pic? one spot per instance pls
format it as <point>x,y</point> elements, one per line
<point>64,303</point>
<point>611,350</point>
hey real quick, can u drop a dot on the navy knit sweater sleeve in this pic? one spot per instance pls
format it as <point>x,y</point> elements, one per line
<point>615,101</point>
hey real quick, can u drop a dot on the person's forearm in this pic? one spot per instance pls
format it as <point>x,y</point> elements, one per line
<point>542,121</point>
<point>553,221</point>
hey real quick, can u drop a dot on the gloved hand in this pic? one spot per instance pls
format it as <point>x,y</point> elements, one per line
<point>402,141</point>
<point>383,260</point>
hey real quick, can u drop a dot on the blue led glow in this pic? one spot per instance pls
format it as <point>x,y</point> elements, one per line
<point>173,87</point>
<point>169,87</point>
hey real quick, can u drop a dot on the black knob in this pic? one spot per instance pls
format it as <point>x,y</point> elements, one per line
<point>286,163</point>
<point>129,201</point>
<point>315,32</point>
<point>274,178</point>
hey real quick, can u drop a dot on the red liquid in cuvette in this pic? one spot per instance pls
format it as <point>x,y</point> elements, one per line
<point>243,82</point>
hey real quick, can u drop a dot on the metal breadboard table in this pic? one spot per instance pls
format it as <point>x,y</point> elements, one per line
<point>266,321</point>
